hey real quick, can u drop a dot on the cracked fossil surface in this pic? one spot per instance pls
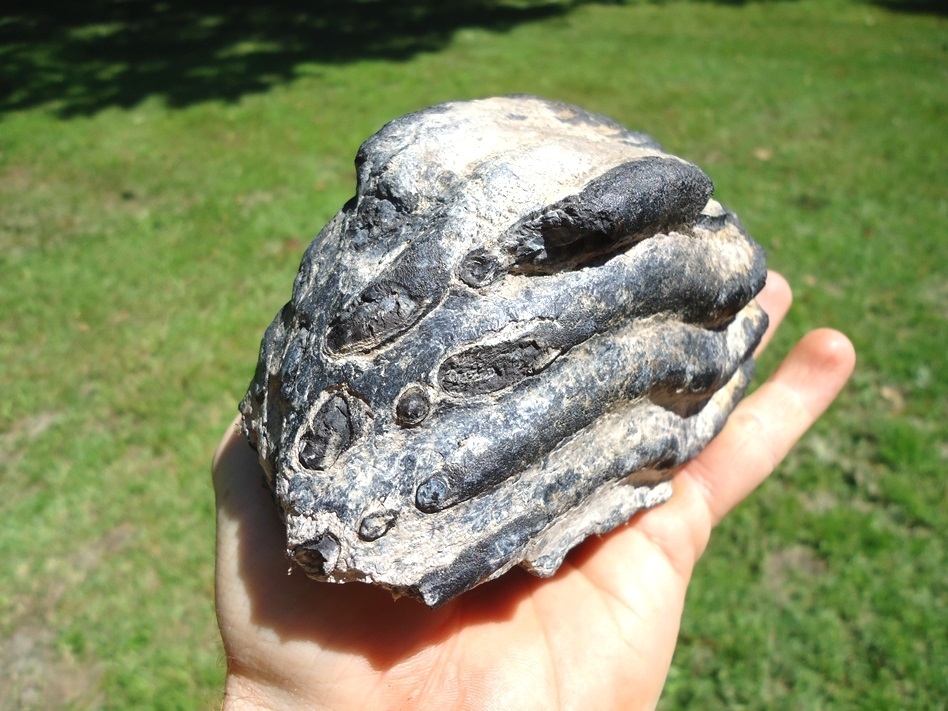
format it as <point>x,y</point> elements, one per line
<point>523,322</point>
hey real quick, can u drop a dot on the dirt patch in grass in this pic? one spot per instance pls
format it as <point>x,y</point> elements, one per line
<point>16,441</point>
<point>41,674</point>
<point>783,567</point>
<point>37,670</point>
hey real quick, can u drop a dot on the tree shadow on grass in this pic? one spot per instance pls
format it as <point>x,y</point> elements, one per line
<point>80,57</point>
<point>919,7</point>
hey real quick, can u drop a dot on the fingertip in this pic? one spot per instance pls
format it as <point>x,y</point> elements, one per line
<point>832,349</point>
<point>820,365</point>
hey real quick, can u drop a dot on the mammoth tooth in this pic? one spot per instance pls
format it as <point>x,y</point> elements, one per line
<point>506,342</point>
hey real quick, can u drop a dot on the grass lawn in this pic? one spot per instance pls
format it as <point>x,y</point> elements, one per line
<point>161,174</point>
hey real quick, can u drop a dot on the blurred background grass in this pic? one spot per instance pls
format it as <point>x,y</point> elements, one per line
<point>164,164</point>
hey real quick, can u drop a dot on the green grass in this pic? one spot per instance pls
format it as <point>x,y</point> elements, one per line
<point>148,236</point>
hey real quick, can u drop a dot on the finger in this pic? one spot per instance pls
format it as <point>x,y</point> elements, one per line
<point>775,299</point>
<point>768,423</point>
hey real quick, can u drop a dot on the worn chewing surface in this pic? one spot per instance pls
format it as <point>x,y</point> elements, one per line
<point>525,319</point>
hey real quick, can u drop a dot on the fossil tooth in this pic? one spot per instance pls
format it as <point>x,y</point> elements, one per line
<point>524,321</point>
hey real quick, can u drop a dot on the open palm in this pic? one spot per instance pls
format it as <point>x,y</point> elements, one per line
<point>598,635</point>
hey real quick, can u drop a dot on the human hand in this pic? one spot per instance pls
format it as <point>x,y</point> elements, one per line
<point>600,634</point>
